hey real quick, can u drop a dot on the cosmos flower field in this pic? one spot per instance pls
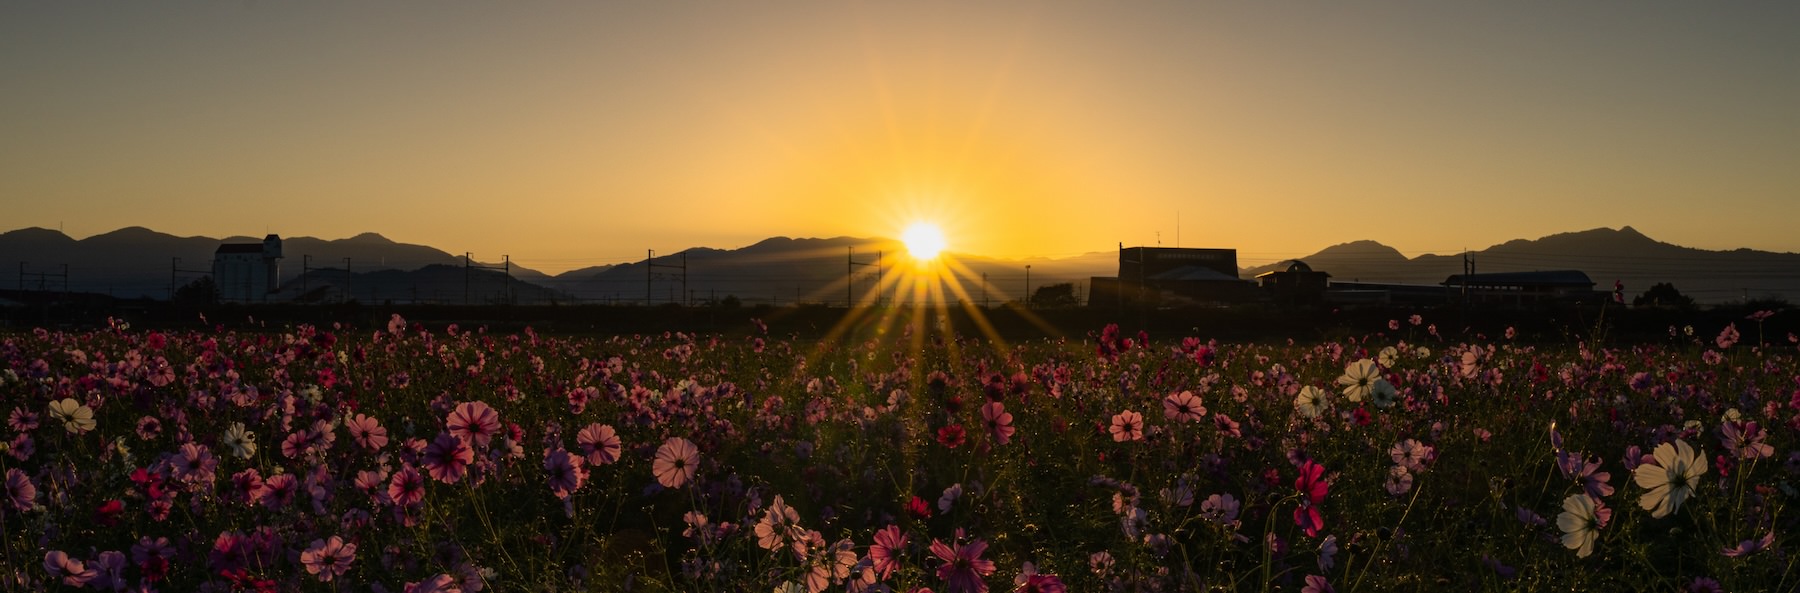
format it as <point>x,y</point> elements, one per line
<point>402,458</point>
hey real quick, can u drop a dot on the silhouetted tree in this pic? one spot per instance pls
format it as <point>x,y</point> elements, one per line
<point>199,292</point>
<point>1052,296</point>
<point>1664,294</point>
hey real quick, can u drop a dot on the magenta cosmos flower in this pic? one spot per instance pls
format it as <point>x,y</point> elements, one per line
<point>328,558</point>
<point>474,423</point>
<point>675,462</point>
<point>447,458</point>
<point>963,567</point>
<point>1313,488</point>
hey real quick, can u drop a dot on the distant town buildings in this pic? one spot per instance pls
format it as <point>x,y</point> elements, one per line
<point>1521,288</point>
<point>248,272</point>
<point>1296,285</point>
<point>1172,276</point>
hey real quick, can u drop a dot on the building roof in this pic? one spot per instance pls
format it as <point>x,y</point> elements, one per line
<point>256,248</point>
<point>1193,274</point>
<point>1566,278</point>
<point>1298,267</point>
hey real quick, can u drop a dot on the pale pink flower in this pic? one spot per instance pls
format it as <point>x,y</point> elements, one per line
<point>999,421</point>
<point>599,443</point>
<point>367,432</point>
<point>1183,406</point>
<point>328,558</point>
<point>1127,426</point>
<point>675,462</point>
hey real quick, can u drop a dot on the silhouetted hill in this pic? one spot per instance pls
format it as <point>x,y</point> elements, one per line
<point>1605,254</point>
<point>138,262</point>
<point>783,270</point>
<point>435,283</point>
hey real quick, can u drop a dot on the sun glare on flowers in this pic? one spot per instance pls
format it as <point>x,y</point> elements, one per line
<point>923,240</point>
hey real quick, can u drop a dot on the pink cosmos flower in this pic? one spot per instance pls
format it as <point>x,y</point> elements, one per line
<point>441,583</point>
<point>367,432</point>
<point>278,490</point>
<point>566,474</point>
<point>1127,426</point>
<point>1183,406</point>
<point>1032,581</point>
<point>73,572</point>
<point>474,423</point>
<point>407,487</point>
<point>1317,584</point>
<point>1727,337</point>
<point>675,462</point>
<point>21,494</point>
<point>999,421</point>
<point>328,558</point>
<point>780,524</point>
<point>1750,546</point>
<point>1399,480</point>
<point>951,436</point>
<point>193,464</point>
<point>890,544</point>
<point>963,567</point>
<point>1745,439</point>
<point>447,458</point>
<point>599,443</point>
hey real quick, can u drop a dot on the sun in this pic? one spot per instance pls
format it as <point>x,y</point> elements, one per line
<point>923,240</point>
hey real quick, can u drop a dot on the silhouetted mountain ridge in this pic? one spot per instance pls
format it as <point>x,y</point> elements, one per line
<point>136,261</point>
<point>1604,254</point>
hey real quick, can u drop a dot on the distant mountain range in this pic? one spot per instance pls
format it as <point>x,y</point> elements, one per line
<point>1606,255</point>
<point>135,261</point>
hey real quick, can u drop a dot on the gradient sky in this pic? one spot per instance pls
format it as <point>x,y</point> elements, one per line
<point>576,134</point>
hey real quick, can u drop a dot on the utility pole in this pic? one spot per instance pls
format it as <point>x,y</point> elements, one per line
<point>850,276</point>
<point>506,281</point>
<point>984,299</point>
<point>650,267</point>
<point>1028,286</point>
<point>505,267</point>
<point>175,272</point>
<point>305,267</point>
<point>348,281</point>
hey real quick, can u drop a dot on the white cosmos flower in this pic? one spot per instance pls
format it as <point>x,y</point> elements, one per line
<point>1311,402</point>
<point>1671,479</point>
<point>1359,379</point>
<point>75,416</point>
<point>1580,524</point>
<point>1387,356</point>
<point>241,443</point>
